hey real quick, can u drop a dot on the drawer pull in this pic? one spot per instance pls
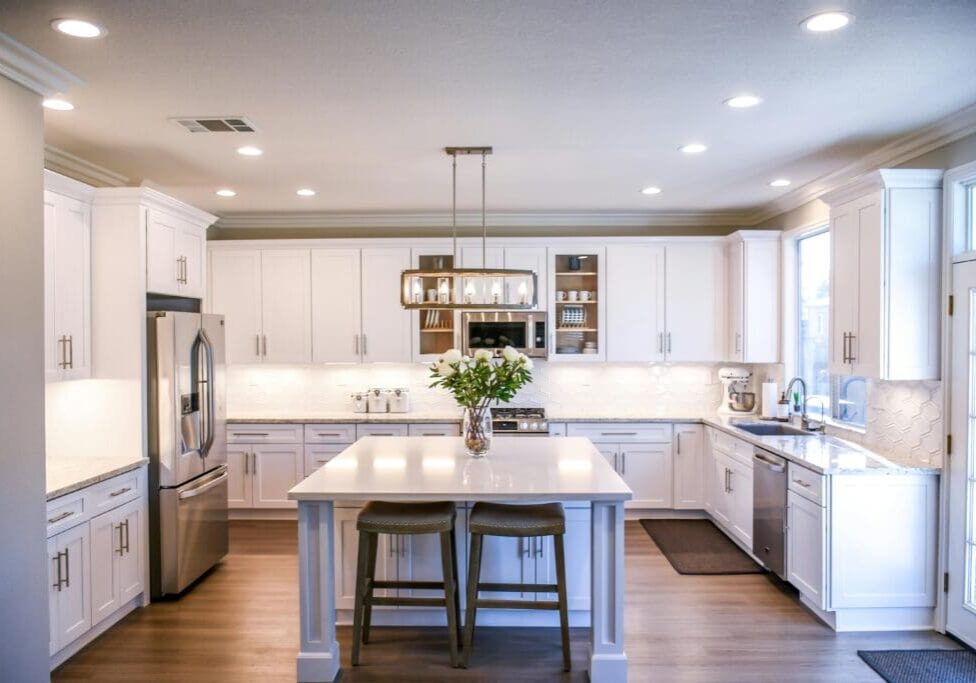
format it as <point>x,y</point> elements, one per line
<point>63,515</point>
<point>251,434</point>
<point>114,494</point>
<point>433,434</point>
<point>329,434</point>
<point>618,433</point>
<point>802,483</point>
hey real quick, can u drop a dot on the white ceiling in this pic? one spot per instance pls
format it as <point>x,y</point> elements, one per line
<point>584,102</point>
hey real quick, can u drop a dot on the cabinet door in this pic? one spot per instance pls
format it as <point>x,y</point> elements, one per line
<point>131,571</point>
<point>347,555</point>
<point>53,593</point>
<point>277,468</point>
<point>419,559</point>
<point>735,255</point>
<point>74,600</point>
<point>708,474</point>
<point>843,285</point>
<point>386,325</point>
<point>688,470</point>
<point>805,542</point>
<point>576,542</point>
<point>866,347</point>
<point>695,303</point>
<point>336,306</point>
<point>721,499</point>
<point>191,241</point>
<point>761,301</point>
<point>286,307</point>
<point>635,303</point>
<point>506,560</point>
<point>609,451</point>
<point>471,257</point>
<point>528,258</point>
<point>163,270</point>
<point>238,476</point>
<point>318,454</point>
<point>235,293</point>
<point>647,470</point>
<point>106,546</point>
<point>741,502</point>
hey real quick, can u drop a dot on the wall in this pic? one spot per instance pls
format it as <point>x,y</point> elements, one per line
<point>614,389</point>
<point>23,565</point>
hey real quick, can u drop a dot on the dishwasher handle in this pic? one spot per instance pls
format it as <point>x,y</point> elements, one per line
<point>771,462</point>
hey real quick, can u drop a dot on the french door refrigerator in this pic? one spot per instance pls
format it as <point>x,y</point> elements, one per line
<point>187,448</point>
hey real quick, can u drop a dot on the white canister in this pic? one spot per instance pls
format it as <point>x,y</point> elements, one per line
<point>399,401</point>
<point>378,401</point>
<point>359,402</point>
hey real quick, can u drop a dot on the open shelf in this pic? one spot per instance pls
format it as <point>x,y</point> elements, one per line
<point>563,303</point>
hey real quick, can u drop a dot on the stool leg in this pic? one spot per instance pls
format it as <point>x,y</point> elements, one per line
<point>474,574</point>
<point>457,586</point>
<point>450,594</point>
<point>357,618</point>
<point>563,607</point>
<point>371,574</point>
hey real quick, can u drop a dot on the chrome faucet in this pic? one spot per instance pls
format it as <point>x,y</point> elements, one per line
<point>803,398</point>
<point>821,426</point>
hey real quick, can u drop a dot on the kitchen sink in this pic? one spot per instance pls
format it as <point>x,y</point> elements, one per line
<point>772,429</point>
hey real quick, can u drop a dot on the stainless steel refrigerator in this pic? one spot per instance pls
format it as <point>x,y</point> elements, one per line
<point>187,448</point>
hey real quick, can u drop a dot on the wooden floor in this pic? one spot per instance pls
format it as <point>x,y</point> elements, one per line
<point>241,624</point>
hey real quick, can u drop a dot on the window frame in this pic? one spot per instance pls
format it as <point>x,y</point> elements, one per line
<point>797,319</point>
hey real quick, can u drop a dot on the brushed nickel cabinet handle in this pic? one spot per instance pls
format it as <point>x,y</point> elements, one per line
<point>250,433</point>
<point>126,523</point>
<point>67,568</point>
<point>119,529</point>
<point>669,342</point>
<point>623,459</point>
<point>115,494</point>
<point>247,457</point>
<point>254,463</point>
<point>264,345</point>
<point>58,518</point>
<point>679,443</point>
<point>257,345</point>
<point>364,345</point>
<point>618,433</point>
<point>59,581</point>
<point>356,337</point>
<point>328,434</point>
<point>71,352</point>
<point>851,338</point>
<point>802,483</point>
<point>660,342</point>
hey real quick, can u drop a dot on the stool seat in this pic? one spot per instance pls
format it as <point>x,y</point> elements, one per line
<point>495,519</point>
<point>380,517</point>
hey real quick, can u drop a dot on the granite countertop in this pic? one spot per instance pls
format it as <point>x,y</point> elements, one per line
<point>338,417</point>
<point>67,475</point>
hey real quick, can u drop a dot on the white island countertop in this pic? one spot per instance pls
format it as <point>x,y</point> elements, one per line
<point>426,468</point>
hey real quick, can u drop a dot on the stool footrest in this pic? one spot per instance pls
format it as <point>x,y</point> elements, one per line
<point>518,587</point>
<point>425,585</point>
<point>518,604</point>
<point>407,602</point>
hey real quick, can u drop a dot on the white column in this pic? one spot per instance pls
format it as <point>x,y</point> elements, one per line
<point>318,655</point>
<point>608,662</point>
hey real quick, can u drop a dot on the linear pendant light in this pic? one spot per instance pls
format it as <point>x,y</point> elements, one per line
<point>472,289</point>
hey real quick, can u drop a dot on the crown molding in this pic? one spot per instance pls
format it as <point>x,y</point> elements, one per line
<point>153,199</point>
<point>69,187</point>
<point>33,71</point>
<point>499,219</point>
<point>885,178</point>
<point>68,164</point>
<point>949,129</point>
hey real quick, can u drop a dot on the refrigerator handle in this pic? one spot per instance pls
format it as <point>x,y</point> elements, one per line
<point>208,380</point>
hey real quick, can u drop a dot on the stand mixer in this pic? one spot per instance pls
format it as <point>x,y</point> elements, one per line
<point>735,399</point>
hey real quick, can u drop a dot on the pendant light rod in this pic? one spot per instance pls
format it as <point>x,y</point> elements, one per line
<point>454,254</point>
<point>484,224</point>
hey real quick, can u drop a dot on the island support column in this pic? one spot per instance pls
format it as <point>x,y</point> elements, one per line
<point>608,662</point>
<point>318,655</point>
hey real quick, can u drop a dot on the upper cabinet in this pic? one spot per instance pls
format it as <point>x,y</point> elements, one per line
<point>695,302</point>
<point>336,306</point>
<point>386,325</point>
<point>176,242</point>
<point>67,278</point>
<point>635,302</point>
<point>885,275</point>
<point>753,259</point>
<point>577,315</point>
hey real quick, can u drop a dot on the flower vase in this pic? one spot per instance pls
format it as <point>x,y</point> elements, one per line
<point>476,431</point>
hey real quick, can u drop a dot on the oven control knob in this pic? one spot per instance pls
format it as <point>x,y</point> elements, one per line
<point>524,425</point>
<point>533,426</point>
<point>542,425</point>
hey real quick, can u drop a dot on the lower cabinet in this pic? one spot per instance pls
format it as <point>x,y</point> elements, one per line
<point>688,467</point>
<point>70,604</point>
<point>806,539</point>
<point>646,467</point>
<point>260,475</point>
<point>116,558</point>
<point>729,490</point>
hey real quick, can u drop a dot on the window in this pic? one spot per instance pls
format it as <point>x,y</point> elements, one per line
<point>843,397</point>
<point>971,214</point>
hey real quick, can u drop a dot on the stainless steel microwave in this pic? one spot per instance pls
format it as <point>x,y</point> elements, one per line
<point>494,330</point>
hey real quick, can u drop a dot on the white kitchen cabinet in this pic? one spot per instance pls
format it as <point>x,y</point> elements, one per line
<point>471,256</point>
<point>885,311</point>
<point>116,558</point>
<point>528,258</point>
<point>69,586</point>
<point>347,555</point>
<point>175,249</point>
<point>740,490</point>
<point>695,302</point>
<point>317,455</point>
<point>286,306</point>
<point>719,488</point>
<point>67,280</point>
<point>753,259</point>
<point>386,325</point>
<point>635,302</point>
<point>336,306</point>
<point>235,293</point>
<point>730,485</point>
<point>806,541</point>
<point>689,473</point>
<point>238,476</point>
<point>260,475</point>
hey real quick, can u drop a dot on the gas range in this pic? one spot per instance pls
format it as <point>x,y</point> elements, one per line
<point>522,421</point>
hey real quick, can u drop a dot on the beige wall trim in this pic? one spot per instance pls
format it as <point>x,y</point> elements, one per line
<point>68,164</point>
<point>36,73</point>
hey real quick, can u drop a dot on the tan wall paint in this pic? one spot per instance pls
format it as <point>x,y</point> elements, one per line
<point>23,564</point>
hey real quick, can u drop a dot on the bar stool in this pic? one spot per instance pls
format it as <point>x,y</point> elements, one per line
<point>405,519</point>
<point>520,521</point>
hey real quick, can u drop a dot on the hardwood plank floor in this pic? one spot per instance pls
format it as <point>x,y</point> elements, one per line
<point>241,624</point>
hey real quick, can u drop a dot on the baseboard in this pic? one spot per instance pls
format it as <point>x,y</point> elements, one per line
<point>874,618</point>
<point>632,514</point>
<point>262,513</point>
<point>70,650</point>
<point>486,617</point>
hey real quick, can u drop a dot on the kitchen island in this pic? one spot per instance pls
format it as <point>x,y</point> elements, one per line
<point>417,469</point>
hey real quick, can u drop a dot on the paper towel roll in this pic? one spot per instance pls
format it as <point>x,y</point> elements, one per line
<point>770,397</point>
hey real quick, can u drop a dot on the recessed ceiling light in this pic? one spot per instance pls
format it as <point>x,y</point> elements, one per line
<point>78,28</point>
<point>250,151</point>
<point>827,21</point>
<point>226,193</point>
<point>743,101</point>
<point>651,190</point>
<point>305,192</point>
<point>693,148</point>
<point>58,104</point>
<point>780,182</point>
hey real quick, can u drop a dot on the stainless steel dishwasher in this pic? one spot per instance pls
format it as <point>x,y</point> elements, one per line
<point>769,510</point>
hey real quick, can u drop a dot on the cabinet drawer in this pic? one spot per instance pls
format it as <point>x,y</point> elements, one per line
<point>557,429</point>
<point>730,445</point>
<point>434,429</point>
<point>381,430</point>
<point>807,483</point>
<point>264,433</point>
<point>330,433</point>
<point>318,455</point>
<point>67,511</point>
<point>622,432</point>
<point>116,491</point>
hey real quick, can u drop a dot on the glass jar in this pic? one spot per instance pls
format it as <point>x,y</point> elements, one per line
<point>476,432</point>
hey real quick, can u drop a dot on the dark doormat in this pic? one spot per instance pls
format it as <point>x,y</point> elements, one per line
<point>922,666</point>
<point>696,546</point>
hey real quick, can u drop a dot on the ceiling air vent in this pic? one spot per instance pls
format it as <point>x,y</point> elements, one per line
<point>215,124</point>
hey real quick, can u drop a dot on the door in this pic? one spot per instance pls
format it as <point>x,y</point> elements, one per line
<point>740,485</point>
<point>74,600</point>
<point>635,303</point>
<point>386,325</point>
<point>688,472</point>
<point>163,269</point>
<point>576,545</point>
<point>961,608</point>
<point>277,468</point>
<point>646,467</point>
<point>191,246</point>
<point>696,303</point>
<point>843,285</point>
<point>720,489</point>
<point>506,560</point>
<point>72,284</point>
<point>871,235</point>
<point>235,293</point>
<point>805,543</point>
<point>239,463</point>
<point>286,306</point>
<point>336,306</point>
<point>106,545</point>
<point>736,256</point>
<point>130,568</point>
